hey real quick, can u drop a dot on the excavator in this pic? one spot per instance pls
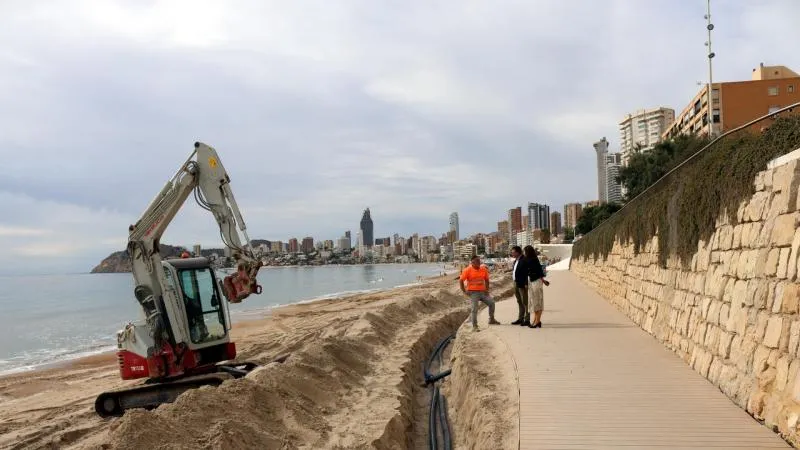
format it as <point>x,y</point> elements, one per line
<point>182,338</point>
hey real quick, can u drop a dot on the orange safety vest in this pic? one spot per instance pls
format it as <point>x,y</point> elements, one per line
<point>476,278</point>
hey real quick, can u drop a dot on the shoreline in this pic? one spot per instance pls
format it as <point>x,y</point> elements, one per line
<point>329,349</point>
<point>96,358</point>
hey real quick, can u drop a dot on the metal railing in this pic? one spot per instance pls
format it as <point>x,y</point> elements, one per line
<point>690,159</point>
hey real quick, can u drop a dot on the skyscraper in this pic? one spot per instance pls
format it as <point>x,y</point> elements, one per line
<point>613,188</point>
<point>366,229</point>
<point>572,212</point>
<point>643,129</point>
<point>514,222</point>
<point>454,225</point>
<point>539,216</point>
<point>601,148</point>
<point>555,223</point>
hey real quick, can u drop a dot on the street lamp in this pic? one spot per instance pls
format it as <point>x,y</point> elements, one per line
<point>709,27</point>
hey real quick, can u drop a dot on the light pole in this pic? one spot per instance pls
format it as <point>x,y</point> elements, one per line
<point>709,27</point>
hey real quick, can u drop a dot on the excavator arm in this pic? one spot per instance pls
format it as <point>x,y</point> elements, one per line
<point>203,176</point>
<point>183,341</point>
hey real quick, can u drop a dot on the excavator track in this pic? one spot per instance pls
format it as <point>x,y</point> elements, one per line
<point>149,396</point>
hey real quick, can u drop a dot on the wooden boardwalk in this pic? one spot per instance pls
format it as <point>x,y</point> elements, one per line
<point>591,379</point>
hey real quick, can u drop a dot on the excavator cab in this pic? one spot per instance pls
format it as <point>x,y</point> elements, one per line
<point>196,284</point>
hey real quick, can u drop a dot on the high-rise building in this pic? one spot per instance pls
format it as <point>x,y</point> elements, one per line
<point>454,226</point>
<point>514,222</point>
<point>366,229</point>
<point>555,223</point>
<point>736,103</point>
<point>308,244</point>
<point>293,246</point>
<point>642,130</point>
<point>601,149</point>
<point>349,239</point>
<point>343,243</point>
<point>572,212</point>
<point>539,215</point>
<point>613,188</point>
<point>502,228</point>
<point>197,250</point>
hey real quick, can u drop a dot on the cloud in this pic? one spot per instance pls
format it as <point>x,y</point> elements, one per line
<point>320,109</point>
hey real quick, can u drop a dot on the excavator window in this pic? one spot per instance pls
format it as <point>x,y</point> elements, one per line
<point>204,313</point>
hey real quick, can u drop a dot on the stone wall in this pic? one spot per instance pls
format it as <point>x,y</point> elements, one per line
<point>732,314</point>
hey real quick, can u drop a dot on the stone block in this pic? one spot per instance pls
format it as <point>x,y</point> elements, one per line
<point>724,313</point>
<point>768,179</point>
<point>792,269</point>
<point>725,340</point>
<point>755,232</point>
<point>767,378</point>
<point>783,343</point>
<point>760,325</point>
<point>771,265</point>
<point>783,262</point>
<point>746,259</point>
<point>765,234</point>
<point>739,293</point>
<point>790,298</point>
<point>761,292</point>
<point>755,404</point>
<point>794,337</point>
<point>784,230</point>
<point>736,242</point>
<point>734,263</point>
<point>773,333</point>
<point>756,206</point>
<point>726,237</point>
<point>782,375</point>
<point>796,387</point>
<point>760,357</point>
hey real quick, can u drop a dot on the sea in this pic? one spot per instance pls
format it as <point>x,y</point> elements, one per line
<point>51,319</point>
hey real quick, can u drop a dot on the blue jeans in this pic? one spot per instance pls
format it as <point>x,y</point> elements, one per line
<point>482,296</point>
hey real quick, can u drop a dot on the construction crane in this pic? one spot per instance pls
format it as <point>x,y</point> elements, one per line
<point>182,339</point>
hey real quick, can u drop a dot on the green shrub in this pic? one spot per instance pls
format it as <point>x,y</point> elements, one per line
<point>683,207</point>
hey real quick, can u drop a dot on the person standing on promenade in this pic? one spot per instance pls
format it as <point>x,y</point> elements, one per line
<point>536,295</point>
<point>476,277</point>
<point>520,273</point>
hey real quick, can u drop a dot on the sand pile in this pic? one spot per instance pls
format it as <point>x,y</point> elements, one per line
<point>482,394</point>
<point>351,386</point>
<point>351,380</point>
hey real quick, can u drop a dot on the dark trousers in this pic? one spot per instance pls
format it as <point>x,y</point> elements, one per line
<point>521,293</point>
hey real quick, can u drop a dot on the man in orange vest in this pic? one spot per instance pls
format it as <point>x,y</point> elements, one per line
<point>476,277</point>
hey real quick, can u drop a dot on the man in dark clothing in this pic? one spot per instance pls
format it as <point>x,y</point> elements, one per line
<point>520,273</point>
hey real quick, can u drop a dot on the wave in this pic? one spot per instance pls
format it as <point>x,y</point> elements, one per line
<point>43,358</point>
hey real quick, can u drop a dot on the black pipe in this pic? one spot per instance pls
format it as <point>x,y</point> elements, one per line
<point>438,407</point>
<point>442,406</point>
<point>432,438</point>
<point>433,355</point>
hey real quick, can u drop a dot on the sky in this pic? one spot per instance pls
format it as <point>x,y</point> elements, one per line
<point>319,109</point>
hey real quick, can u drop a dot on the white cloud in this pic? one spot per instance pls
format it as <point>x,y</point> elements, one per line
<point>320,109</point>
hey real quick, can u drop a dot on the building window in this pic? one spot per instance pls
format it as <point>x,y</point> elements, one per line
<point>772,90</point>
<point>790,88</point>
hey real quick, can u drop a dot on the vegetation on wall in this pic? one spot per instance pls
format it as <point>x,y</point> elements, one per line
<point>593,216</point>
<point>683,208</point>
<point>646,167</point>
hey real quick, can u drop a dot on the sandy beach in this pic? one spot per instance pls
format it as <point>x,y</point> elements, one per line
<point>350,381</point>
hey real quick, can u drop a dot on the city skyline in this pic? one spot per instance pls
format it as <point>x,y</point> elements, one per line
<point>410,120</point>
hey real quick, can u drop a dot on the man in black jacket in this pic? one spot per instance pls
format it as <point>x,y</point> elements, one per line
<point>520,273</point>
